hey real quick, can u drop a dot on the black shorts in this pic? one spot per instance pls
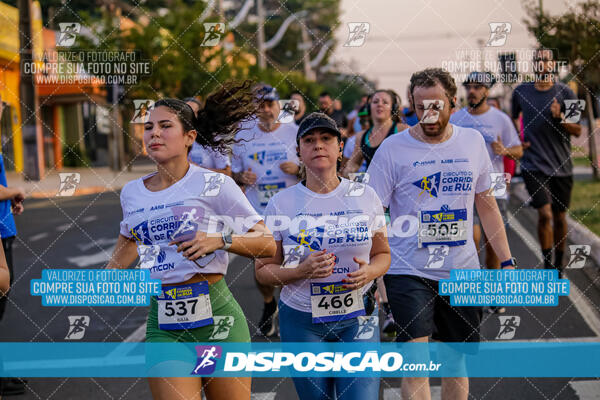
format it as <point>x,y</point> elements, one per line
<point>419,311</point>
<point>545,189</point>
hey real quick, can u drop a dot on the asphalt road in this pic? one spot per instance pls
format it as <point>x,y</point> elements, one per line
<point>80,232</point>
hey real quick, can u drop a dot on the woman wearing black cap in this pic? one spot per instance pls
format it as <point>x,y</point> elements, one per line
<point>331,246</point>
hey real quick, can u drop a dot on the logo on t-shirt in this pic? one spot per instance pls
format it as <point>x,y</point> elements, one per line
<point>259,157</point>
<point>429,184</point>
<point>141,234</point>
<point>311,238</point>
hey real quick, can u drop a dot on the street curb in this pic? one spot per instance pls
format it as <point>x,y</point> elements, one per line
<point>577,233</point>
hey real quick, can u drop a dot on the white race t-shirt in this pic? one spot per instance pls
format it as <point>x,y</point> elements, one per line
<point>193,203</point>
<point>341,221</point>
<point>437,183</point>
<point>492,124</point>
<point>263,152</point>
<point>208,158</point>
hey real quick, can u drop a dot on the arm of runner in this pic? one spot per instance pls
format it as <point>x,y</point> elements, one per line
<point>257,242</point>
<point>125,253</point>
<point>573,129</point>
<point>12,193</point>
<point>380,258</point>
<point>318,264</point>
<point>4,274</point>
<point>355,161</point>
<point>492,223</point>
<point>514,152</point>
<point>226,170</point>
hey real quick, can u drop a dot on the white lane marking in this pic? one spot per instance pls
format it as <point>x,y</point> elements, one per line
<point>579,300</point>
<point>38,236</point>
<point>395,393</point>
<point>64,227</point>
<point>97,243</point>
<point>96,259</point>
<point>586,390</point>
<point>89,218</point>
<point>263,396</point>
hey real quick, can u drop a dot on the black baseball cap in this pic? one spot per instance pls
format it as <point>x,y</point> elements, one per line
<point>317,120</point>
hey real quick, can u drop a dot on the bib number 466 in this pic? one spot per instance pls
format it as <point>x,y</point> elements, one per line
<point>336,301</point>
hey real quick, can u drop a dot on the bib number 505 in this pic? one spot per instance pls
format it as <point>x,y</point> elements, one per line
<point>336,301</point>
<point>181,307</point>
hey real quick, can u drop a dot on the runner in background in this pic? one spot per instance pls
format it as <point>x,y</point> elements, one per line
<point>510,164</point>
<point>353,120</point>
<point>11,203</point>
<point>408,113</point>
<point>301,114</point>
<point>201,154</point>
<point>326,275</point>
<point>546,166</point>
<point>501,139</point>
<point>190,259</point>
<point>364,120</point>
<point>264,161</point>
<point>418,184</point>
<point>326,106</point>
<point>384,110</point>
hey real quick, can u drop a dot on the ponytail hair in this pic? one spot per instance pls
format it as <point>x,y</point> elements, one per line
<point>220,119</point>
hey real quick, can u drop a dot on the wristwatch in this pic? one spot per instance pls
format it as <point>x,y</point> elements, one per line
<point>511,262</point>
<point>227,240</point>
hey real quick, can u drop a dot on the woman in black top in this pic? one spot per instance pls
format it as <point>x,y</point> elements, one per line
<point>384,109</point>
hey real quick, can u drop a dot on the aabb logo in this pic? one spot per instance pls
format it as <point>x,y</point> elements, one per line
<point>429,184</point>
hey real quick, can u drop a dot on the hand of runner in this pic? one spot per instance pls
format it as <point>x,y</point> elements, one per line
<point>359,278</point>
<point>289,167</point>
<point>318,264</point>
<point>248,177</point>
<point>555,108</point>
<point>526,145</point>
<point>19,195</point>
<point>498,147</point>
<point>199,246</point>
<point>17,207</point>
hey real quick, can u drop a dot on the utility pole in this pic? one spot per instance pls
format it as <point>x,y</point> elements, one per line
<point>260,11</point>
<point>32,135</point>
<point>308,72</point>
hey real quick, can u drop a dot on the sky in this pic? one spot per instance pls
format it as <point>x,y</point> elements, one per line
<point>406,36</point>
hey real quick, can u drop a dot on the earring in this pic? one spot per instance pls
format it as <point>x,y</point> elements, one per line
<point>340,158</point>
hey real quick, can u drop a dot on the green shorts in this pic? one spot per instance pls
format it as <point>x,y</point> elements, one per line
<point>229,321</point>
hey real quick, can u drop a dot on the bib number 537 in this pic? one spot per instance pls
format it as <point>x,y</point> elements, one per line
<point>180,307</point>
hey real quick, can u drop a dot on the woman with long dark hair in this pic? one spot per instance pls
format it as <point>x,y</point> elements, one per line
<point>166,218</point>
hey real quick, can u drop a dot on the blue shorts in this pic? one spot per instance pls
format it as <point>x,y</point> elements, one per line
<point>297,326</point>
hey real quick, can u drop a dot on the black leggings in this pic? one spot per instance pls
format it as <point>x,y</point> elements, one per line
<point>7,245</point>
